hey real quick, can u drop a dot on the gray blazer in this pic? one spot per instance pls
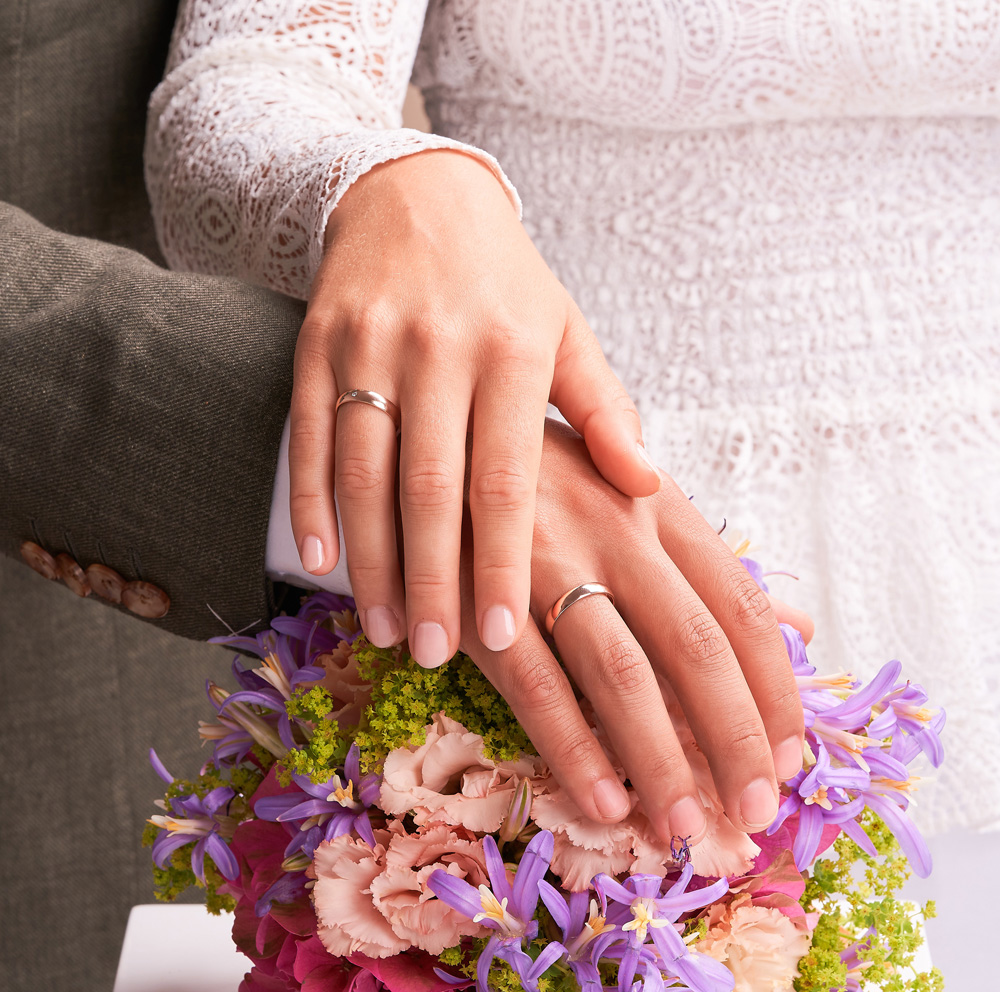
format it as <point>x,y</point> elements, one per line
<point>140,415</point>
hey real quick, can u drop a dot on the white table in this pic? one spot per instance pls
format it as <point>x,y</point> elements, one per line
<point>179,949</point>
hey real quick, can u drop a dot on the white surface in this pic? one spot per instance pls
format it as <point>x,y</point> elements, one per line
<point>179,948</point>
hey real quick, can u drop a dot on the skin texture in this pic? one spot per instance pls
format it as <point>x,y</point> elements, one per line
<point>687,615</point>
<point>464,327</point>
<point>461,322</point>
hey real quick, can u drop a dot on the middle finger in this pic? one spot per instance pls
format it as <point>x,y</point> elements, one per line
<point>431,487</point>
<point>615,675</point>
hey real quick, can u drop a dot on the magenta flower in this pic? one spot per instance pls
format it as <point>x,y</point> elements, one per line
<point>506,908</point>
<point>643,913</point>
<point>327,809</point>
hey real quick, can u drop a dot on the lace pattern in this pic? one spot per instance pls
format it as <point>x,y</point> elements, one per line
<point>781,218</point>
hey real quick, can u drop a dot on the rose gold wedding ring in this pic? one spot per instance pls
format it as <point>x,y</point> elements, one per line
<point>374,399</point>
<point>567,599</point>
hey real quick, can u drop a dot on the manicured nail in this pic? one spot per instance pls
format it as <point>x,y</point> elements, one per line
<point>687,820</point>
<point>498,628</point>
<point>610,798</point>
<point>788,759</point>
<point>311,553</point>
<point>758,807</point>
<point>644,455</point>
<point>382,626</point>
<point>430,645</point>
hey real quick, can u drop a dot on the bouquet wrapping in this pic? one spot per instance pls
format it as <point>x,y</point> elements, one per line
<point>375,825</point>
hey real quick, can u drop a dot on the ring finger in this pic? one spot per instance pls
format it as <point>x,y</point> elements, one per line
<point>365,473</point>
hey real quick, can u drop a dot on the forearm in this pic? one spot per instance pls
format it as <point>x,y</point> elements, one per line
<point>142,413</point>
<point>265,119</point>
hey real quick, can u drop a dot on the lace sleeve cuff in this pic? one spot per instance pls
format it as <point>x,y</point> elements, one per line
<point>248,154</point>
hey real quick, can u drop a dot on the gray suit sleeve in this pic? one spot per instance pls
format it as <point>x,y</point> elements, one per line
<point>140,416</point>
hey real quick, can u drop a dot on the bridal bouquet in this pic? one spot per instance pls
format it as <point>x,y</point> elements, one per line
<point>375,825</point>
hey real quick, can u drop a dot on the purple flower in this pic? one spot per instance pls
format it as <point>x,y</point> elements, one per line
<point>643,912</point>
<point>580,943</point>
<point>286,889</point>
<point>325,810</point>
<point>506,908</point>
<point>239,727</point>
<point>903,711</point>
<point>819,795</point>
<point>193,818</point>
<point>754,568</point>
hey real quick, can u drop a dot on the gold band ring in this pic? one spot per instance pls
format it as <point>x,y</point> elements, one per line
<point>567,599</point>
<point>374,399</point>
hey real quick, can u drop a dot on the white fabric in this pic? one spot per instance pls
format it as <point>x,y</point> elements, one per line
<point>782,218</point>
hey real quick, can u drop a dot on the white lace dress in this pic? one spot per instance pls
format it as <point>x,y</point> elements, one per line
<point>781,217</point>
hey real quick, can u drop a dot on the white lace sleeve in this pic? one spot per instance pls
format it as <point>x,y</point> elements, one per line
<point>269,110</point>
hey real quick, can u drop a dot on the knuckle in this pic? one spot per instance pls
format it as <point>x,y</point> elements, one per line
<point>307,435</point>
<point>359,478</point>
<point>746,740</point>
<point>433,337</point>
<point>623,669</point>
<point>514,350</point>
<point>534,682</point>
<point>371,321</point>
<point>431,484</point>
<point>304,502</point>
<point>750,608</point>
<point>573,748</point>
<point>784,701</point>
<point>667,765</point>
<point>501,487</point>
<point>702,640</point>
<point>428,584</point>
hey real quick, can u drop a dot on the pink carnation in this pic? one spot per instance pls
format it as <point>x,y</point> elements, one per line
<point>375,902</point>
<point>758,944</point>
<point>400,893</point>
<point>348,922</point>
<point>347,688</point>
<point>449,780</point>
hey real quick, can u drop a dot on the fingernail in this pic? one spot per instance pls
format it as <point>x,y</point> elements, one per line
<point>430,645</point>
<point>311,553</point>
<point>644,455</point>
<point>498,628</point>
<point>788,759</point>
<point>686,820</point>
<point>758,807</point>
<point>382,625</point>
<point>610,798</point>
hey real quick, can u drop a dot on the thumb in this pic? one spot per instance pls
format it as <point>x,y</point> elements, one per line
<point>798,619</point>
<point>595,404</point>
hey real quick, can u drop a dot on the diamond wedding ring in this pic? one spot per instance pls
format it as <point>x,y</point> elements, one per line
<point>374,399</point>
<point>567,599</point>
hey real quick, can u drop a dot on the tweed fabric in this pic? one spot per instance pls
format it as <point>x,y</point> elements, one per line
<point>140,414</point>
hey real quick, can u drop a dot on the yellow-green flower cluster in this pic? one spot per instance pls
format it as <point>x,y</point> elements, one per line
<point>855,903</point>
<point>405,696</point>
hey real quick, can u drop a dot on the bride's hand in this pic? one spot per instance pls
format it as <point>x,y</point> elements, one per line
<point>686,611</point>
<point>432,294</point>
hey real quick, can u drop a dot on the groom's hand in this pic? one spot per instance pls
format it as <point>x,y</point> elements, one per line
<point>686,611</point>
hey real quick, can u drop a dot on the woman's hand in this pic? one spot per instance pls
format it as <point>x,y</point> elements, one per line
<point>687,614</point>
<point>432,294</point>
